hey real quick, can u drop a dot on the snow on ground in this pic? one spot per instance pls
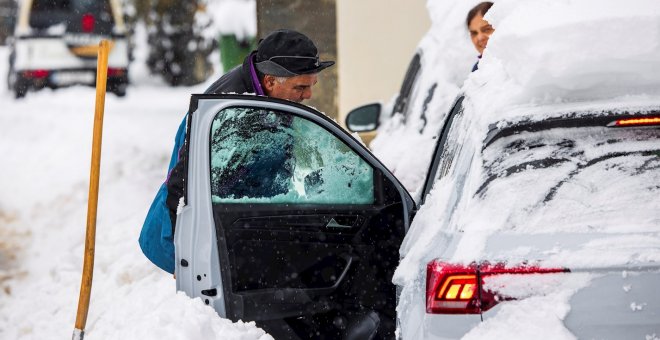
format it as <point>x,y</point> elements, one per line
<point>45,140</point>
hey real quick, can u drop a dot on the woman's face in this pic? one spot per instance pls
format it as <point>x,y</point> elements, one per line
<point>480,31</point>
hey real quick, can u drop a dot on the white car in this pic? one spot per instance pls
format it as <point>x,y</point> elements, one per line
<point>55,44</point>
<point>549,222</point>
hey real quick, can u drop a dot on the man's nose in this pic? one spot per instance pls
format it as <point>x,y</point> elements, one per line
<point>307,94</point>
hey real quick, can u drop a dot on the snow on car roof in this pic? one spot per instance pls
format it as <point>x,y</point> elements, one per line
<point>549,53</point>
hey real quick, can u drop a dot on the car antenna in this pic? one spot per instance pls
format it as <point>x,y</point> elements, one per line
<point>92,201</point>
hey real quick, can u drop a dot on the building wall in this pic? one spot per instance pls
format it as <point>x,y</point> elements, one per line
<point>316,19</point>
<point>7,19</point>
<point>376,40</point>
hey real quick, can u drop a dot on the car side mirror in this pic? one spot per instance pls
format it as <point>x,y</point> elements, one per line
<point>364,118</point>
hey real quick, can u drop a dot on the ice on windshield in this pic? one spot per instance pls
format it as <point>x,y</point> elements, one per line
<point>593,179</point>
<point>263,156</point>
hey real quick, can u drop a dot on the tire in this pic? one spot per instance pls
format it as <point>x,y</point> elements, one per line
<point>19,86</point>
<point>118,89</point>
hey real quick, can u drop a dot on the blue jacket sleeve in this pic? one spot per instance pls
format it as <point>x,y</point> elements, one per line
<point>156,237</point>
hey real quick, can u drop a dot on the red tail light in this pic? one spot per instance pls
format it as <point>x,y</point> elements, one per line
<point>640,121</point>
<point>88,22</point>
<point>458,289</point>
<point>36,74</point>
<point>116,72</point>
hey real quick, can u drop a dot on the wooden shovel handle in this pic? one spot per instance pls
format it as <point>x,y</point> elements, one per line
<point>92,202</point>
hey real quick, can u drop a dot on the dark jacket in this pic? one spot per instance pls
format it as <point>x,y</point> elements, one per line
<point>476,65</point>
<point>157,235</point>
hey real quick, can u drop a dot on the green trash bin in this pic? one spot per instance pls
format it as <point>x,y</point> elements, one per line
<point>233,51</point>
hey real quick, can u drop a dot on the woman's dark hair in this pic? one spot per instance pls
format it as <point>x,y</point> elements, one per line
<point>481,8</point>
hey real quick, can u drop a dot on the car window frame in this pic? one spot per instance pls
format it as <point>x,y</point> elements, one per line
<point>439,147</point>
<point>402,102</point>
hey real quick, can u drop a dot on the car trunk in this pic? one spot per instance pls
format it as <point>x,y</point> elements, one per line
<point>610,291</point>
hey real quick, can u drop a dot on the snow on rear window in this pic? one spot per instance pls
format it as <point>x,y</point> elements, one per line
<point>263,156</point>
<point>592,179</point>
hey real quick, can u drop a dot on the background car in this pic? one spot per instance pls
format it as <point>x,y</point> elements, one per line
<point>414,117</point>
<point>55,44</point>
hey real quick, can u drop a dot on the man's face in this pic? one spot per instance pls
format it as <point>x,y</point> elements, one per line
<point>297,88</point>
<point>480,31</point>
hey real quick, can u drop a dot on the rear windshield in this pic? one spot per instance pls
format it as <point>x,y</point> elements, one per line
<point>574,179</point>
<point>47,13</point>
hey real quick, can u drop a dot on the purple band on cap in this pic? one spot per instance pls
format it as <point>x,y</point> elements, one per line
<point>255,80</point>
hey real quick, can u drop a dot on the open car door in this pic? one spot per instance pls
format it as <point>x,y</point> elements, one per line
<point>288,221</point>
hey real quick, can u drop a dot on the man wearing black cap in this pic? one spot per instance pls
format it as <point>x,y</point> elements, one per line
<point>285,66</point>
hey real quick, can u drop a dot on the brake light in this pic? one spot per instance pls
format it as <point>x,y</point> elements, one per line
<point>116,72</point>
<point>641,121</point>
<point>87,23</point>
<point>36,74</point>
<point>458,289</point>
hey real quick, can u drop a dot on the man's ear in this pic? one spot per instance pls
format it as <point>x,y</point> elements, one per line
<point>268,83</point>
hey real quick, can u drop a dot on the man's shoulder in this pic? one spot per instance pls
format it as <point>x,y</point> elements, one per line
<point>233,81</point>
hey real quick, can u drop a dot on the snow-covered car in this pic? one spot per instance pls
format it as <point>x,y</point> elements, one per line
<point>55,44</point>
<point>543,218</point>
<point>440,65</point>
<point>553,212</point>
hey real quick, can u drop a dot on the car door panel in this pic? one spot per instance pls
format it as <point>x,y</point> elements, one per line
<point>305,257</point>
<point>328,243</point>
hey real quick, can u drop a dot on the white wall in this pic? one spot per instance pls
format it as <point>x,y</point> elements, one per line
<point>375,41</point>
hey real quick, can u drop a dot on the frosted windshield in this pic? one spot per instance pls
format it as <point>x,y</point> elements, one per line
<point>265,156</point>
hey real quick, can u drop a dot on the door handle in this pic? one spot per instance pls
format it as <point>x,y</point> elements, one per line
<point>334,224</point>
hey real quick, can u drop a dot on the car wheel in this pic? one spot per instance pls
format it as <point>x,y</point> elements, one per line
<point>17,84</point>
<point>119,90</point>
<point>20,91</point>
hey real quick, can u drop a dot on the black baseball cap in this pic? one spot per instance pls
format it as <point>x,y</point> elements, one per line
<point>287,53</point>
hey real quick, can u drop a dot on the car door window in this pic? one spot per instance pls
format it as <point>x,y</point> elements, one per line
<point>267,156</point>
<point>442,157</point>
<point>403,100</point>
